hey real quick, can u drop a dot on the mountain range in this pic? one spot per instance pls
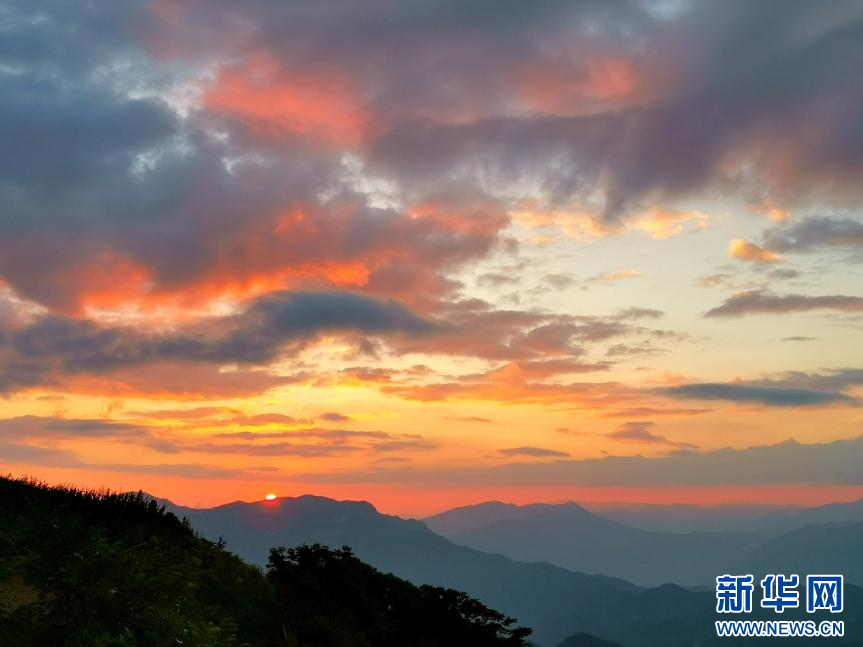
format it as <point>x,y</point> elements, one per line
<point>521,561</point>
<point>741,538</point>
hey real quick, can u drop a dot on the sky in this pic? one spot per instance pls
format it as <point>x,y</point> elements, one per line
<point>433,252</point>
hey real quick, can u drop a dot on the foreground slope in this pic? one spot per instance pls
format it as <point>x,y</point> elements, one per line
<point>79,568</point>
<point>94,569</point>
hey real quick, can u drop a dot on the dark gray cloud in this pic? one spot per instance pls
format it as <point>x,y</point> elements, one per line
<point>44,350</point>
<point>814,233</point>
<point>640,432</point>
<point>53,345</point>
<point>749,89</point>
<point>771,396</point>
<point>113,193</point>
<point>535,452</point>
<point>834,380</point>
<point>764,302</point>
<point>640,313</point>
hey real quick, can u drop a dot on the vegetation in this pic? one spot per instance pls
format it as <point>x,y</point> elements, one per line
<point>333,598</point>
<point>92,568</point>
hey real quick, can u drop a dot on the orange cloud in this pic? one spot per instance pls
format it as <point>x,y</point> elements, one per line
<point>304,246</point>
<point>660,224</point>
<point>271,99</point>
<point>746,251</point>
<point>172,381</point>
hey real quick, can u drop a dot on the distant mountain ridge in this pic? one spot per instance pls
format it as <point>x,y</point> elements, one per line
<point>539,594</point>
<point>748,518</point>
<point>571,536</point>
<point>556,602</point>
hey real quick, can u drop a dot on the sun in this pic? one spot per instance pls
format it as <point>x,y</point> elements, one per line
<point>270,497</point>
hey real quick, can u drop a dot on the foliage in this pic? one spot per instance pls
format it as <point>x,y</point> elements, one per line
<point>115,569</point>
<point>332,599</point>
<point>95,568</point>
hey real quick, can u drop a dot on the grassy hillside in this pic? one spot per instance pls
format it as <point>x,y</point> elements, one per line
<point>95,569</point>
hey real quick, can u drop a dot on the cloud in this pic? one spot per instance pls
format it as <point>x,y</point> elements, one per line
<point>764,302</point>
<point>479,419</point>
<point>163,379</point>
<point>640,412</point>
<point>30,427</point>
<point>295,442</point>
<point>836,380</point>
<point>625,350</point>
<point>640,313</point>
<point>815,233</point>
<point>535,452</point>
<point>24,434</point>
<point>150,190</point>
<point>334,416</point>
<point>639,432</point>
<point>205,151</point>
<point>53,347</point>
<point>24,429</point>
<point>496,280</point>
<point>745,251</point>
<point>837,462</point>
<point>660,224</point>
<point>472,327</point>
<point>771,396</point>
<point>783,273</point>
<point>559,281</point>
<point>511,385</point>
<point>194,413</point>
<point>612,277</point>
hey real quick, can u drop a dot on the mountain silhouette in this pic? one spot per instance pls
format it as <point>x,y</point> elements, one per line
<point>586,640</point>
<point>556,602</point>
<point>571,536</point>
<point>819,548</point>
<point>548,598</point>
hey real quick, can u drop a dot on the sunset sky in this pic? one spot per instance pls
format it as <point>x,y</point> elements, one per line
<point>433,252</point>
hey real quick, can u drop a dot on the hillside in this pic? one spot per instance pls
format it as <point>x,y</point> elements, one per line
<point>96,569</point>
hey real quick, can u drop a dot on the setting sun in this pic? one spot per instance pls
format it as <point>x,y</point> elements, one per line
<point>270,497</point>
